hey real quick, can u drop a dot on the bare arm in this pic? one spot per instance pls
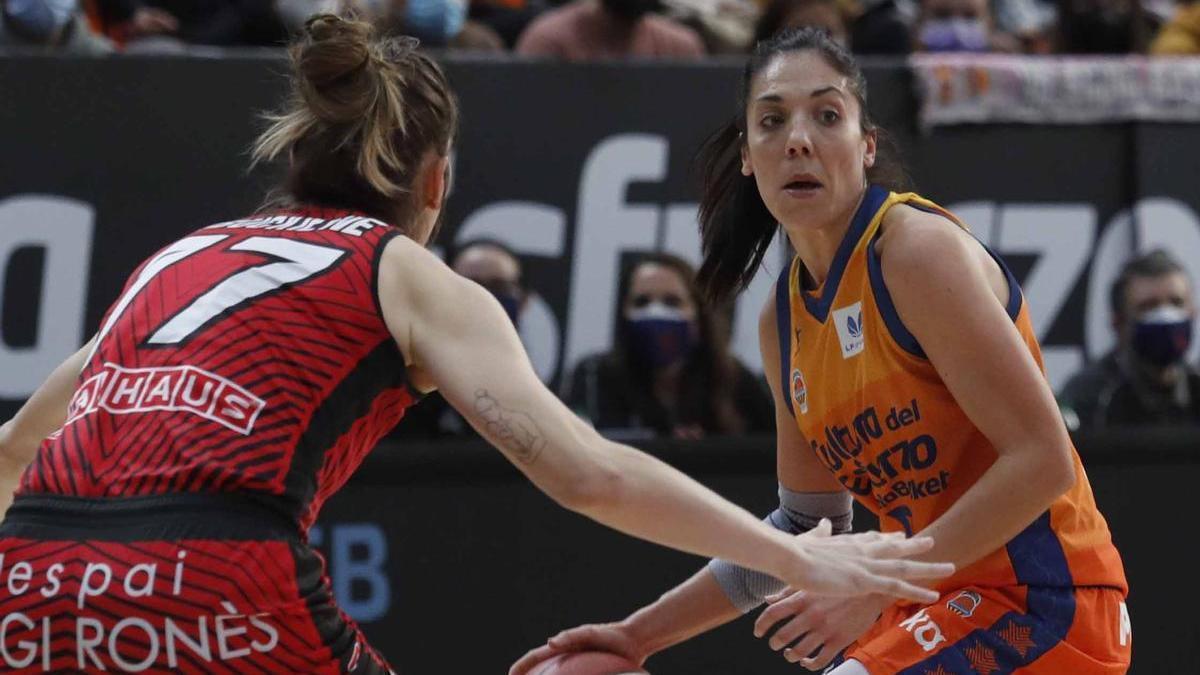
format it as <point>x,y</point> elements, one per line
<point>955,310</point>
<point>41,415</point>
<point>455,331</point>
<point>699,604</point>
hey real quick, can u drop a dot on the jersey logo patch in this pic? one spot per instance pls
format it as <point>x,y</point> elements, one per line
<point>123,391</point>
<point>849,324</point>
<point>799,391</point>
<point>964,603</point>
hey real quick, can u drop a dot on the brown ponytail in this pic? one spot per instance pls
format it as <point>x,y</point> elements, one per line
<point>362,114</point>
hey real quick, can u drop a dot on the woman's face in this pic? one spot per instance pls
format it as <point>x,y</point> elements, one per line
<point>804,143</point>
<point>652,282</point>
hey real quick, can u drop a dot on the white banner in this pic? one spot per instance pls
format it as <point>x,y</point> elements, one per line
<point>974,88</point>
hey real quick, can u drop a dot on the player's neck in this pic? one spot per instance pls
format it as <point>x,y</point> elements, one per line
<point>818,245</point>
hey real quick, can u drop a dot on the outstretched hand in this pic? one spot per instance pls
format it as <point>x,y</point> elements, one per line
<point>816,627</point>
<point>607,637</point>
<point>866,563</point>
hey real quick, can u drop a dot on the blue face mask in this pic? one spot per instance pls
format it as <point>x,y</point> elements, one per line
<point>954,35</point>
<point>1162,335</point>
<point>435,22</point>
<point>659,336</point>
<point>511,304</point>
<point>40,19</point>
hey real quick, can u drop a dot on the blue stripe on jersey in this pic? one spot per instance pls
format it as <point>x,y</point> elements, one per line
<point>887,310</point>
<point>783,321</point>
<point>1014,289</point>
<point>1037,556</point>
<point>1014,641</point>
<point>872,200</point>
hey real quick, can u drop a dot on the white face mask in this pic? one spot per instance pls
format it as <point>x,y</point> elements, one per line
<point>40,19</point>
<point>656,310</point>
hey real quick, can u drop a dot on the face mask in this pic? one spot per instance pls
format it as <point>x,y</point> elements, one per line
<point>511,304</point>
<point>954,35</point>
<point>1162,335</point>
<point>659,336</point>
<point>40,19</point>
<point>435,22</point>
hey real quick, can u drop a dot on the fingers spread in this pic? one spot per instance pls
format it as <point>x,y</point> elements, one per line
<point>789,632</point>
<point>910,569</point>
<point>805,647</point>
<point>901,589</point>
<point>777,612</point>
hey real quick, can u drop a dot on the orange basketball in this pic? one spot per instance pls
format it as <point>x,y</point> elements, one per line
<point>589,663</point>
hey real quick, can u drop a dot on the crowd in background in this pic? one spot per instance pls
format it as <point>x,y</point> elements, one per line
<point>670,372</point>
<point>579,30</point>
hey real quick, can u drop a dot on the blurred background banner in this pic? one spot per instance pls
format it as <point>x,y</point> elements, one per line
<point>959,88</point>
<point>555,161</point>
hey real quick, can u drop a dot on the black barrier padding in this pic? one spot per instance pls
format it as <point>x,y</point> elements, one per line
<point>482,566</point>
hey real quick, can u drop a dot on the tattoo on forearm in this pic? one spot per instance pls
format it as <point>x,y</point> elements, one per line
<point>515,430</point>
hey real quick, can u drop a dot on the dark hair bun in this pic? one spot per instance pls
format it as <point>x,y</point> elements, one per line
<point>335,67</point>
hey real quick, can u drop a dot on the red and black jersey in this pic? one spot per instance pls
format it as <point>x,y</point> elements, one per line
<point>248,357</point>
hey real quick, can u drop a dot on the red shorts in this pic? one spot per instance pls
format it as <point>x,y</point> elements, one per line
<point>167,584</point>
<point>994,631</point>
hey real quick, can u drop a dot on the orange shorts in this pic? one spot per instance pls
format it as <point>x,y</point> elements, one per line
<point>994,631</point>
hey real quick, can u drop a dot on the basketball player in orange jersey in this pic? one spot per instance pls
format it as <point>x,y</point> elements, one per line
<point>177,462</point>
<point>906,376</point>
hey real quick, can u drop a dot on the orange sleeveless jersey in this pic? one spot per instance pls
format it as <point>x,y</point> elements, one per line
<point>877,415</point>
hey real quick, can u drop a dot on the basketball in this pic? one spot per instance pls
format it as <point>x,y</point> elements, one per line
<point>589,663</point>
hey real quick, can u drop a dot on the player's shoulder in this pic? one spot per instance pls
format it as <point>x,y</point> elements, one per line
<point>906,232</point>
<point>409,271</point>
<point>401,253</point>
<point>915,242</point>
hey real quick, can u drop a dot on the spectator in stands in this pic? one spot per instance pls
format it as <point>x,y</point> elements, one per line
<point>170,25</point>
<point>53,25</point>
<point>507,18</point>
<point>960,26</point>
<point>585,30</point>
<point>436,23</point>
<point>879,27</point>
<point>1105,27</point>
<point>1180,36</point>
<point>670,372</point>
<point>781,15</point>
<point>1033,23</point>
<point>1145,379</point>
<point>443,23</point>
<point>495,267</point>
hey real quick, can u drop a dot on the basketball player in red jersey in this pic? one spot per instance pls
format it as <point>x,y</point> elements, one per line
<point>176,463</point>
<point>906,375</point>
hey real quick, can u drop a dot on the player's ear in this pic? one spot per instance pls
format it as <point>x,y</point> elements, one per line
<point>435,181</point>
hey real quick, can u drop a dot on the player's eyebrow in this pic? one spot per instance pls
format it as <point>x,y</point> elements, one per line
<point>820,91</point>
